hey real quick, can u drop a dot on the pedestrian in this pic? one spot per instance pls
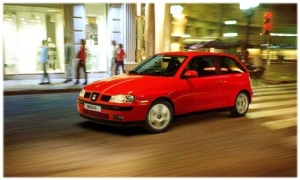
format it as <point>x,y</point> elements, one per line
<point>113,57</point>
<point>81,55</point>
<point>120,59</point>
<point>68,60</point>
<point>44,61</point>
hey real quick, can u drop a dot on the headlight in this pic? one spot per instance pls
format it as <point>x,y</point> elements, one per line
<point>82,92</point>
<point>122,98</point>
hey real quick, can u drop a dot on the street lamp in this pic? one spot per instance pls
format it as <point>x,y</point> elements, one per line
<point>178,26</point>
<point>248,9</point>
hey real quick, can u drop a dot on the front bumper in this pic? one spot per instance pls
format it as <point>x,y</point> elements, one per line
<point>113,114</point>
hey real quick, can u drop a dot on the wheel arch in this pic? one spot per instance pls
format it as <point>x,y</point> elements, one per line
<point>167,102</point>
<point>166,99</point>
<point>247,92</point>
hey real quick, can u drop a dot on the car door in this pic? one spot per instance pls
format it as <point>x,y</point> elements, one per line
<point>232,76</point>
<point>201,92</point>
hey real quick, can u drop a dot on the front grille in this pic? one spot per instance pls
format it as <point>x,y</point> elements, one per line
<point>105,98</point>
<point>109,107</point>
<point>87,95</point>
<point>95,114</point>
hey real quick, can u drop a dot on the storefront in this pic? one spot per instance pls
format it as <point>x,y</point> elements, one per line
<point>97,38</point>
<point>25,27</point>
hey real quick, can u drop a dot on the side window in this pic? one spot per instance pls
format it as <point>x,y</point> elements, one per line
<point>193,64</point>
<point>203,65</point>
<point>230,66</point>
<point>207,66</point>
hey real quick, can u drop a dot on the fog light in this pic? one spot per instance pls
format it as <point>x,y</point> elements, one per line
<point>118,118</point>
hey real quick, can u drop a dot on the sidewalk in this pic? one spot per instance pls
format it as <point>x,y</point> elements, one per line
<point>15,87</point>
<point>274,74</point>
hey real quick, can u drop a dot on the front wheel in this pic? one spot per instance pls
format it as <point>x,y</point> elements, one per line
<point>241,105</point>
<point>159,116</point>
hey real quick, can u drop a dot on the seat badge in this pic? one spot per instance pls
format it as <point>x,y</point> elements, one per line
<point>94,97</point>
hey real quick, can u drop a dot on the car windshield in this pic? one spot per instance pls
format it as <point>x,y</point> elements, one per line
<point>159,65</point>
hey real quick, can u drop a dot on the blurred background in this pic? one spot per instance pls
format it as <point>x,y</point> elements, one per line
<point>144,29</point>
<point>45,137</point>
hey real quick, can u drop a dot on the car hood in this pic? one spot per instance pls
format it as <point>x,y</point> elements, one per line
<point>132,84</point>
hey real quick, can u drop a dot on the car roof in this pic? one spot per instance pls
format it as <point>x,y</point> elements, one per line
<point>194,53</point>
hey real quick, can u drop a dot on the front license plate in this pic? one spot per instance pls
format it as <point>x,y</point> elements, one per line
<point>92,107</point>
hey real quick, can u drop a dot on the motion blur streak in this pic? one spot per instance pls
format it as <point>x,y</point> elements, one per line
<point>44,137</point>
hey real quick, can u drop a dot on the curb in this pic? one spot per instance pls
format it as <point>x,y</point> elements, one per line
<point>25,92</point>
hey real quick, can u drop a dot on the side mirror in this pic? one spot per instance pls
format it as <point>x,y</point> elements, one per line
<point>190,73</point>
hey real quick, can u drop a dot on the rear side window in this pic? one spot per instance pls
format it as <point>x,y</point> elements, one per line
<point>229,65</point>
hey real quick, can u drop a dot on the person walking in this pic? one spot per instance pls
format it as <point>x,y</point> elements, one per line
<point>120,59</point>
<point>81,55</point>
<point>113,57</point>
<point>68,61</point>
<point>44,61</point>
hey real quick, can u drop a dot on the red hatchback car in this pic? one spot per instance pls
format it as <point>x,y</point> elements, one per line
<point>167,85</point>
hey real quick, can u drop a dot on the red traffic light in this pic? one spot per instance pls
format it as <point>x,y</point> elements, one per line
<point>267,26</point>
<point>267,23</point>
<point>268,15</point>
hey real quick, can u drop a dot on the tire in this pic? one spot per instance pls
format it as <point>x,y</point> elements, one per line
<point>159,116</point>
<point>241,105</point>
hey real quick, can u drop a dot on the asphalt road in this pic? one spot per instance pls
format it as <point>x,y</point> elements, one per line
<point>45,137</point>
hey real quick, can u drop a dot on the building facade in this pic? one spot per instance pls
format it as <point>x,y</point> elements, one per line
<point>142,28</point>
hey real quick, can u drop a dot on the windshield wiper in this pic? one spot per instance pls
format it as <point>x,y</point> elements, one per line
<point>133,72</point>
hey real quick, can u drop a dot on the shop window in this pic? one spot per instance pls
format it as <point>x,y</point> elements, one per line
<point>92,47</point>
<point>23,33</point>
<point>10,42</point>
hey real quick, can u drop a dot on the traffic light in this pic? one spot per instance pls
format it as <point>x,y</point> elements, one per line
<point>267,23</point>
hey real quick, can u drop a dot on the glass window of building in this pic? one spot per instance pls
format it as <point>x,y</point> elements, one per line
<point>24,29</point>
<point>92,44</point>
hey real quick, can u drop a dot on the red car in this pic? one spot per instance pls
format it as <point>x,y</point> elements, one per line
<point>167,85</point>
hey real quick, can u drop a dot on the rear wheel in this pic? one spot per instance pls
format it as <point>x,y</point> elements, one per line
<point>159,116</point>
<point>241,105</point>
